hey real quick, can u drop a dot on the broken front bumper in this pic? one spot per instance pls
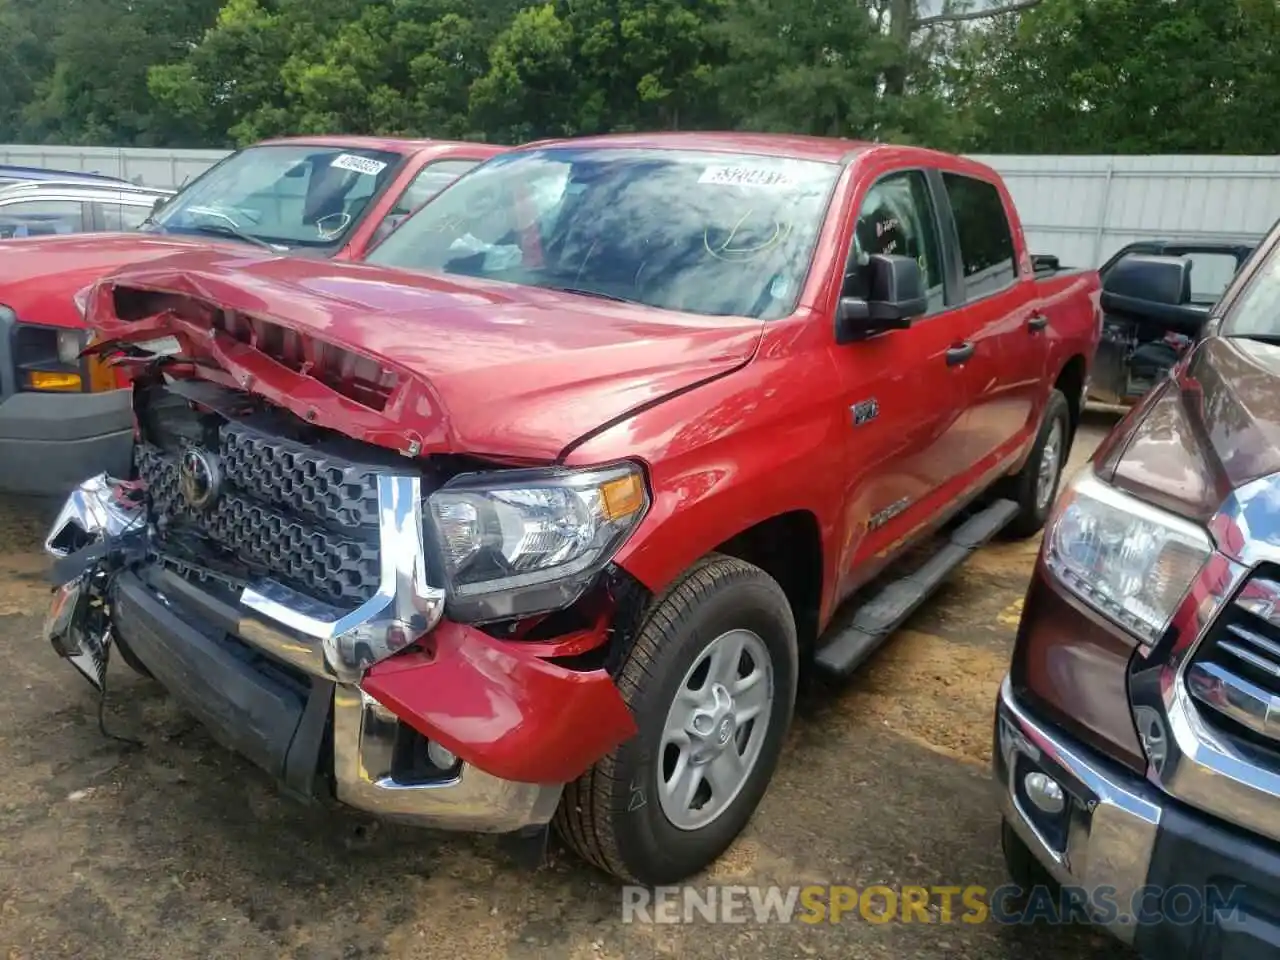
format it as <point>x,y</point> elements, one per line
<point>312,695</point>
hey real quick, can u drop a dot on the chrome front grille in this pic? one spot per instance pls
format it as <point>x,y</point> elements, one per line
<point>284,471</point>
<point>286,511</point>
<point>1236,671</point>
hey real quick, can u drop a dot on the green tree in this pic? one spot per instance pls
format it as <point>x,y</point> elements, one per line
<point>1126,76</point>
<point>81,67</point>
<point>594,66</point>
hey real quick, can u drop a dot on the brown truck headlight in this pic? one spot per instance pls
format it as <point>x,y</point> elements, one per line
<point>1127,559</point>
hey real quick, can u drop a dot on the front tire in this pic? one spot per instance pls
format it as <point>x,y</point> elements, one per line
<point>711,681</point>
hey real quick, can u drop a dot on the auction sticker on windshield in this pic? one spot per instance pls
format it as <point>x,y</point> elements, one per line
<point>746,177</point>
<point>365,165</point>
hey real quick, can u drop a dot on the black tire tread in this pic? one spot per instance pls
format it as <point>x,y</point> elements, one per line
<point>583,818</point>
<point>1021,487</point>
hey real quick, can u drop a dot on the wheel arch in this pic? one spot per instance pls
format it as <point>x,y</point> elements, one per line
<point>1070,382</point>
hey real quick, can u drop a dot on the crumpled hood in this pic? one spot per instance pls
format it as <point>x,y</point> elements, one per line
<point>491,369</point>
<point>1214,428</point>
<point>40,276</point>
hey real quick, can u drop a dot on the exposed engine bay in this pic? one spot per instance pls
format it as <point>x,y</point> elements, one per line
<point>1133,356</point>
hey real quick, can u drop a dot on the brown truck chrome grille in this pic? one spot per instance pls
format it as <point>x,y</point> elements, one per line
<point>1236,671</point>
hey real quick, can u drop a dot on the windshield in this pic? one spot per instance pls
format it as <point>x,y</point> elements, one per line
<point>1256,312</point>
<point>713,234</point>
<point>289,195</point>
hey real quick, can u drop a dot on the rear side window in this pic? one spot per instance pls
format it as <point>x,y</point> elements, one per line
<point>986,242</point>
<point>1210,274</point>
<point>38,218</point>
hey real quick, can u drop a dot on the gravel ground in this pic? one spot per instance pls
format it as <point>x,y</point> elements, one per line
<point>179,849</point>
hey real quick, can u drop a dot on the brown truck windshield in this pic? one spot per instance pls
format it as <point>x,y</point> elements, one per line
<point>287,195</point>
<point>1256,311</point>
<point>707,233</point>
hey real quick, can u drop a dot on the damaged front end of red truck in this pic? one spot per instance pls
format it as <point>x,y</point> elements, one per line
<point>306,564</point>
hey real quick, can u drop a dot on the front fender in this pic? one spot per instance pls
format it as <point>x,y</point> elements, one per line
<point>766,441</point>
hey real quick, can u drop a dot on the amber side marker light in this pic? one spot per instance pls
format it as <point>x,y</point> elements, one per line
<point>622,497</point>
<point>102,376</point>
<point>63,382</point>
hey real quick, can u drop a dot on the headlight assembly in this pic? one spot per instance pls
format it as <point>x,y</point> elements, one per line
<point>520,542</point>
<point>1131,561</point>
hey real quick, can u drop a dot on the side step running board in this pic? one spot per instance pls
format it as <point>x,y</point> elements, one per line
<point>844,650</point>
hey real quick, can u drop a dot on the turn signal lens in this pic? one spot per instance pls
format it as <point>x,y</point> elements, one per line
<point>623,497</point>
<point>40,380</point>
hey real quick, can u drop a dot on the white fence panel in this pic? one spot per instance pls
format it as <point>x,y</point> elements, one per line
<point>1083,209</point>
<point>1080,208</point>
<point>152,168</point>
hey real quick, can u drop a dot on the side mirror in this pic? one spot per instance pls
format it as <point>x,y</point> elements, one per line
<point>1150,287</point>
<point>896,296</point>
<point>157,204</point>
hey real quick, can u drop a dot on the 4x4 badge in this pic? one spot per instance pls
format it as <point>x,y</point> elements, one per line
<point>865,411</point>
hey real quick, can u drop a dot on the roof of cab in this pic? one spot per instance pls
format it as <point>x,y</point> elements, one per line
<point>790,146</point>
<point>389,144</point>
<point>90,189</point>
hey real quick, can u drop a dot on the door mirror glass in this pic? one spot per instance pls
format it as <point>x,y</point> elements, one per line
<point>896,295</point>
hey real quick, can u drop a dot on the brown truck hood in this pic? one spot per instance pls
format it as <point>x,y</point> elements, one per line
<point>1212,429</point>
<point>470,366</point>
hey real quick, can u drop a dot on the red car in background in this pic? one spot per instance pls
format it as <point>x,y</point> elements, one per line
<point>63,417</point>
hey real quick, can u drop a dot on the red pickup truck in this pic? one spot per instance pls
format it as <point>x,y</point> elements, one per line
<point>541,511</point>
<point>63,417</point>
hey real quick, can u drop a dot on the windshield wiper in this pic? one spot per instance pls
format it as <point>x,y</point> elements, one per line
<point>582,292</point>
<point>227,230</point>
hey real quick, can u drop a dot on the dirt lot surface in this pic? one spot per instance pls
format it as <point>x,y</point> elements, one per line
<point>179,849</point>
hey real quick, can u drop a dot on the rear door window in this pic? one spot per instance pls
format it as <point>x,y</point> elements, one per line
<point>986,241</point>
<point>36,218</point>
<point>1210,274</point>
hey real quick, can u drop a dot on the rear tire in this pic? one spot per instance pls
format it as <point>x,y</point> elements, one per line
<point>1035,487</point>
<point>662,806</point>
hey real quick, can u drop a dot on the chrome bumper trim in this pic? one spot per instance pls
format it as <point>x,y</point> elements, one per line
<point>325,642</point>
<point>404,608</point>
<point>364,732</point>
<point>1113,830</point>
<point>92,509</point>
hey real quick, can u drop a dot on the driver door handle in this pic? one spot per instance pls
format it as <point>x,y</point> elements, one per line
<point>1037,322</point>
<point>959,353</point>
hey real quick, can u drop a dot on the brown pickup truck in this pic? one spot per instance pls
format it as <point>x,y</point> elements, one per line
<point>1137,739</point>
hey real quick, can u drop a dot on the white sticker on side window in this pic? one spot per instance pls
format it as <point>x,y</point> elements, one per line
<point>349,161</point>
<point>746,177</point>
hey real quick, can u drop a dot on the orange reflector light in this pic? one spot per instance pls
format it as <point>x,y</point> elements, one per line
<point>102,376</point>
<point>40,380</point>
<point>622,497</point>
